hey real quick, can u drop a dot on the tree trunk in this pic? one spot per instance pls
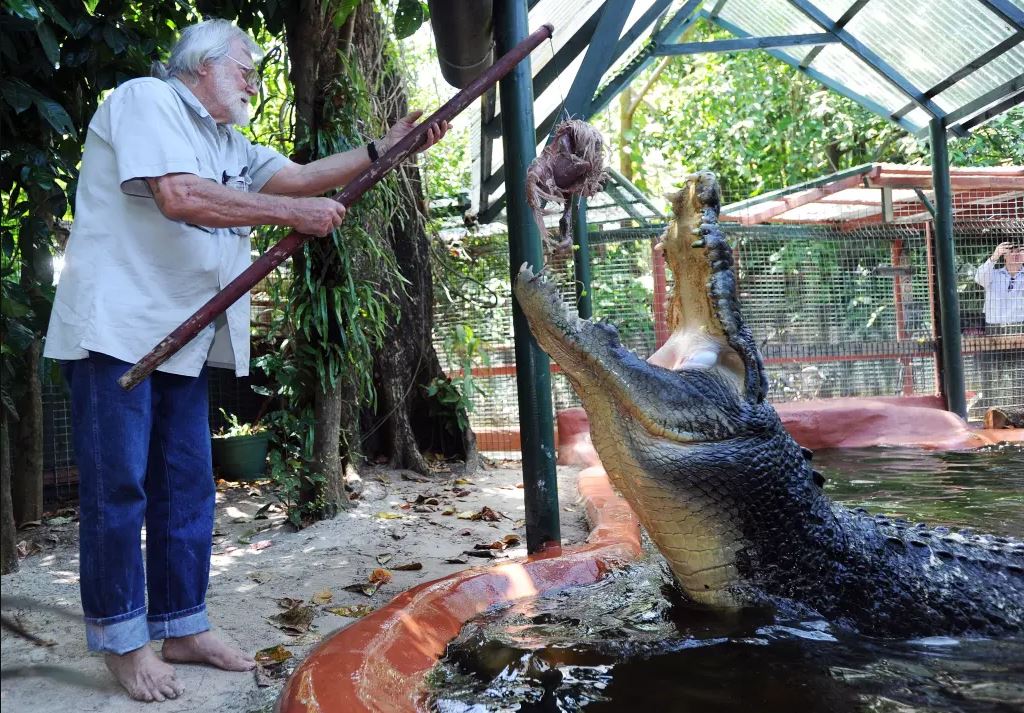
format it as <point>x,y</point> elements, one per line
<point>397,429</point>
<point>326,454</point>
<point>8,532</point>
<point>401,426</point>
<point>27,444</point>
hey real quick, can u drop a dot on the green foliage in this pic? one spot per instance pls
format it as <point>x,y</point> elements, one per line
<point>452,401</point>
<point>761,124</point>
<point>291,465</point>
<point>409,15</point>
<point>59,57</point>
<point>234,428</point>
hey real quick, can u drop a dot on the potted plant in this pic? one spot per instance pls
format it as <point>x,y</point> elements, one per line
<point>240,449</point>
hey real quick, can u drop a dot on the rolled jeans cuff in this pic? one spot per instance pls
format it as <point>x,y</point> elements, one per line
<point>117,635</point>
<point>183,623</point>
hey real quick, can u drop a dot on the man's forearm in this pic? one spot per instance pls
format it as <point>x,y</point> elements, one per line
<point>200,201</point>
<point>320,176</point>
<point>983,276</point>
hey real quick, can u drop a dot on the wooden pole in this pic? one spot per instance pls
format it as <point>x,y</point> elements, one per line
<point>352,192</point>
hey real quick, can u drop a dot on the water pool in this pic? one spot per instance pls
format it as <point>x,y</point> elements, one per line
<point>630,642</point>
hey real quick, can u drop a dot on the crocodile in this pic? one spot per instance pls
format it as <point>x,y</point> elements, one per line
<point>728,497</point>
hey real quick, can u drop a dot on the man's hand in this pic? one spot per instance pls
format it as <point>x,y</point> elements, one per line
<point>1001,249</point>
<point>406,124</point>
<point>317,216</point>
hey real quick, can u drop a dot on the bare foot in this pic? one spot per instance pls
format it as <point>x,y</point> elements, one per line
<point>205,647</point>
<point>144,675</point>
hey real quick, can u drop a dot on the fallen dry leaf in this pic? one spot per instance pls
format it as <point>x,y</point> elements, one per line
<point>410,567</point>
<point>511,540</point>
<point>260,674</point>
<point>489,515</point>
<point>288,602</point>
<point>273,655</point>
<point>450,510</point>
<point>468,515</point>
<point>322,597</point>
<point>457,560</point>
<point>354,611</point>
<point>384,558</point>
<point>261,545</point>
<point>389,516</point>
<point>463,481</point>
<point>260,577</point>
<point>297,619</point>
<point>379,576</point>
<point>367,588</point>
<point>485,553</point>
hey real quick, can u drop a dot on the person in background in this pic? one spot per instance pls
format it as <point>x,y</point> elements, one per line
<point>167,191</point>
<point>1002,276</point>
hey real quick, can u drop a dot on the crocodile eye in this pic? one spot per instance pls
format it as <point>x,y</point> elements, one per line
<point>818,478</point>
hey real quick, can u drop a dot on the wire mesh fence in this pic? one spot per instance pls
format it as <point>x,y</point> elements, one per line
<point>839,303</point>
<point>841,298</point>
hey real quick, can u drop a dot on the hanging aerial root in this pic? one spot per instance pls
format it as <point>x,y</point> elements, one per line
<point>571,165</point>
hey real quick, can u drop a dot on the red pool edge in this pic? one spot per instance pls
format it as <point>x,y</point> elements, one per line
<point>379,663</point>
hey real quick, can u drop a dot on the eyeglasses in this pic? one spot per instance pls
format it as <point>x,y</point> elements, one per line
<point>251,75</point>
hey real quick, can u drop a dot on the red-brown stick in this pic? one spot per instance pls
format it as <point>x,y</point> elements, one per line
<point>280,252</point>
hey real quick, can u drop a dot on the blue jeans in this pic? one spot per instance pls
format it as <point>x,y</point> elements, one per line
<point>143,458</point>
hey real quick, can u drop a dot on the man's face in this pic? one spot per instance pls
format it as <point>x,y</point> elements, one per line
<point>232,84</point>
<point>1015,259</point>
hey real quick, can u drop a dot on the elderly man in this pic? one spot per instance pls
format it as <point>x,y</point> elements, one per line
<point>166,194</point>
<point>1004,314</point>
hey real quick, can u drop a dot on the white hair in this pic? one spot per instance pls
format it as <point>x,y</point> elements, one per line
<point>201,43</point>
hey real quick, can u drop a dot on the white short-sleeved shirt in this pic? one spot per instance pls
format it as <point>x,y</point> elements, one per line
<point>1004,294</point>
<point>131,275</point>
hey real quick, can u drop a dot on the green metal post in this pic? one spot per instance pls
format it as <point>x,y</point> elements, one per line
<point>581,259</point>
<point>945,268</point>
<point>536,426</point>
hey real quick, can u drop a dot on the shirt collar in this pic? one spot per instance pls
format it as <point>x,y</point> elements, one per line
<point>190,99</point>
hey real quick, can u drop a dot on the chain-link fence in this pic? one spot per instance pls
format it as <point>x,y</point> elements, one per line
<point>841,303</point>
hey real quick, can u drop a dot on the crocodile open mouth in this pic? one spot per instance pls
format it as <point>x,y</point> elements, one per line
<point>691,387</point>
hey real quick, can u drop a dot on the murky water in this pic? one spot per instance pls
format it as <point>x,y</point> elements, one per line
<point>631,644</point>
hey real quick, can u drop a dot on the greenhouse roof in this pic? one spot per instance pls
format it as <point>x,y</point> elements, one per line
<point>911,61</point>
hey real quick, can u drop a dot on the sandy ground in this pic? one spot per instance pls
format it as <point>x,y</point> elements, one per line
<point>261,569</point>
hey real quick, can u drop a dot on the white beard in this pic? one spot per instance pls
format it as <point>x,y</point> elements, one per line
<point>236,102</point>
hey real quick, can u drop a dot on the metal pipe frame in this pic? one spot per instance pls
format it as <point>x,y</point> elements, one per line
<point>744,43</point>
<point>967,70</point>
<point>945,268</point>
<point>842,22</point>
<point>533,377</point>
<point>868,57</point>
<point>819,77</point>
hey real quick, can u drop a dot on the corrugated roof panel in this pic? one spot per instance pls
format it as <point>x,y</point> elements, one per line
<point>928,40</point>
<point>766,17</point>
<point>925,42</point>
<point>995,73</point>
<point>845,68</point>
